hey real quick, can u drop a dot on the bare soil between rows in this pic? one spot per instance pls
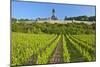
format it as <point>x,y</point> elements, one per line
<point>58,53</point>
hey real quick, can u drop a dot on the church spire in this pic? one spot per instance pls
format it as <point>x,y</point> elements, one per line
<point>53,17</point>
<point>53,12</point>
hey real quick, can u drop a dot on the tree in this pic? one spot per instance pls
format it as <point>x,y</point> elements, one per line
<point>14,20</point>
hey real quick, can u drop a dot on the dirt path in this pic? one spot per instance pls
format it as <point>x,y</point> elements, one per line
<point>58,53</point>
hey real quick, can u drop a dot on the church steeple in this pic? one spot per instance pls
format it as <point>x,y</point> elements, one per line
<point>53,17</point>
<point>53,12</point>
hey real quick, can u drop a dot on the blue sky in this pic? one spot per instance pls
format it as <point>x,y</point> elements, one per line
<point>33,10</point>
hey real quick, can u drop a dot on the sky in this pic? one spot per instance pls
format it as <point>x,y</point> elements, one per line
<point>33,10</point>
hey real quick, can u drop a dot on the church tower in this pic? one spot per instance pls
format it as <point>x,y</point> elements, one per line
<point>53,12</point>
<point>53,17</point>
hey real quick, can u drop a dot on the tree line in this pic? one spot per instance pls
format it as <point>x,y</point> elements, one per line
<point>78,18</point>
<point>81,18</point>
<point>39,28</point>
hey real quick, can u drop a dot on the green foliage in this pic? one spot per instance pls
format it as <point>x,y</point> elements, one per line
<point>48,52</point>
<point>14,20</point>
<point>66,54</point>
<point>43,45</point>
<point>70,28</point>
<point>86,50</point>
<point>26,45</point>
<point>81,18</point>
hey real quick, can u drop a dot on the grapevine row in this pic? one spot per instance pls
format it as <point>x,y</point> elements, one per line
<point>83,51</point>
<point>66,54</point>
<point>25,45</point>
<point>45,55</point>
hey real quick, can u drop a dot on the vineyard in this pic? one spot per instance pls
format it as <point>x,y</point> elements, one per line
<point>50,35</point>
<point>31,49</point>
